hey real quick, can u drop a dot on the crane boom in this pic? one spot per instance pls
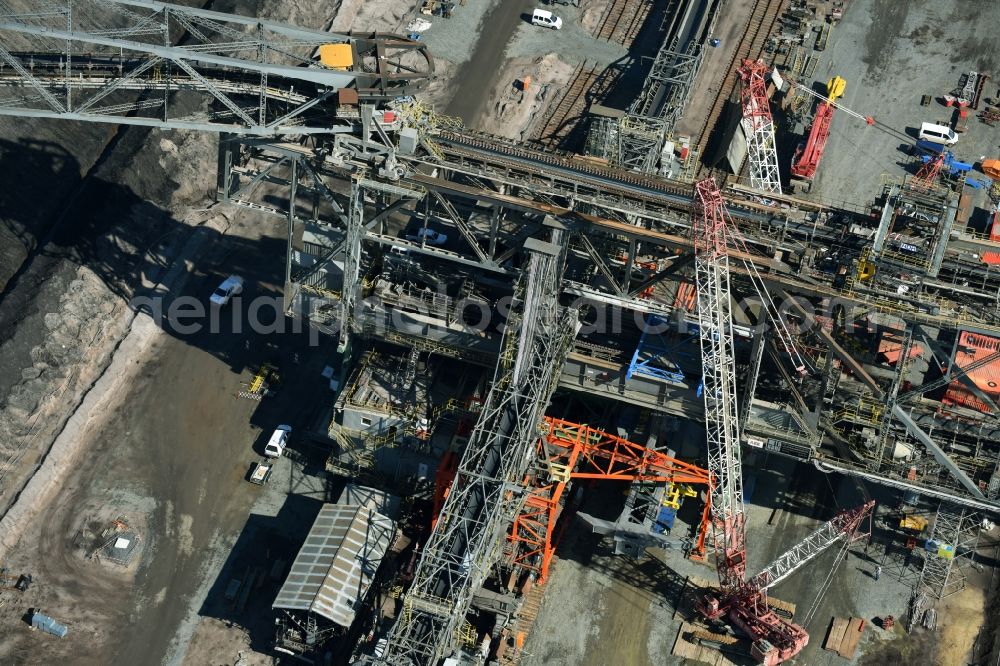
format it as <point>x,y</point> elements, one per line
<point>843,525</point>
<point>715,325</point>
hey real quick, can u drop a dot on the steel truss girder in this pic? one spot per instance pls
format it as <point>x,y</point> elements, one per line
<point>486,492</point>
<point>260,73</point>
<point>843,525</point>
<point>944,575</point>
<point>667,87</point>
<point>719,389</point>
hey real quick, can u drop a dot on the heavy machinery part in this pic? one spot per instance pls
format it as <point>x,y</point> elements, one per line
<point>809,153</point>
<point>715,323</point>
<point>927,176</point>
<point>610,457</point>
<point>774,639</point>
<point>842,526</point>
<point>569,451</point>
<point>487,490</point>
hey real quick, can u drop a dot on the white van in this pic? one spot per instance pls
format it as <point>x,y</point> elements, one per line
<point>937,134</point>
<point>546,19</point>
<point>279,439</point>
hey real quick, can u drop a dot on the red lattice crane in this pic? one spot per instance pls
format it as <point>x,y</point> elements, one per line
<point>807,156</point>
<point>742,601</point>
<point>927,176</point>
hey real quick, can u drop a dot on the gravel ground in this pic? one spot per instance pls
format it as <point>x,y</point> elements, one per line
<point>455,39</point>
<point>573,43</point>
<point>891,53</point>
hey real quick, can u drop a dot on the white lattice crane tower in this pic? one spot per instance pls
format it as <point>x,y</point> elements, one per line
<point>742,601</point>
<point>715,323</point>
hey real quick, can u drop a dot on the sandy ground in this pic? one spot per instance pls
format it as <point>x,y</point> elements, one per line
<point>961,617</point>
<point>372,15</point>
<point>213,639</point>
<point>592,12</point>
<point>143,421</point>
<point>516,111</point>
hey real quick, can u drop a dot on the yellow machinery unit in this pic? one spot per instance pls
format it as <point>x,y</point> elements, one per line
<point>337,56</point>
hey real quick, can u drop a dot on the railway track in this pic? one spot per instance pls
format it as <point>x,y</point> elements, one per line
<point>569,110</point>
<point>761,22</point>
<point>623,21</point>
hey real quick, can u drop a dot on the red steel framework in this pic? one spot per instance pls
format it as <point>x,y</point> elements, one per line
<point>808,154</point>
<point>926,178</point>
<point>564,446</point>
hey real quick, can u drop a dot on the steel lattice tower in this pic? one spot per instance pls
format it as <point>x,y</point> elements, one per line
<point>715,324</point>
<point>758,125</point>
<point>487,493</point>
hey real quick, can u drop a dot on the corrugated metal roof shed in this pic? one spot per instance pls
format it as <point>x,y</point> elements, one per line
<point>336,564</point>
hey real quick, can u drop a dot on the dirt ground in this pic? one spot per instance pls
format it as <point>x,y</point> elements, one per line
<point>372,15</point>
<point>213,639</point>
<point>514,111</point>
<point>592,12</point>
<point>961,617</point>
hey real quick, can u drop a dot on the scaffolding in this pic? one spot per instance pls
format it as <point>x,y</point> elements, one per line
<point>950,549</point>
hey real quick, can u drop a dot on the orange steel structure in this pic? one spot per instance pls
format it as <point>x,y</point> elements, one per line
<point>562,447</point>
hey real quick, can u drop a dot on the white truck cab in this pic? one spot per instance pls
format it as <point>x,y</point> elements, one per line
<point>546,19</point>
<point>279,439</point>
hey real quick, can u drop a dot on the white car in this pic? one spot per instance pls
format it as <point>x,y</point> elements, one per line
<point>279,440</point>
<point>230,287</point>
<point>546,19</point>
<point>428,236</point>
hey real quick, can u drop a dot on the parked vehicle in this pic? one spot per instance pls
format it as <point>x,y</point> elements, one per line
<point>546,19</point>
<point>279,440</point>
<point>428,236</point>
<point>260,472</point>
<point>231,286</point>
<point>937,134</point>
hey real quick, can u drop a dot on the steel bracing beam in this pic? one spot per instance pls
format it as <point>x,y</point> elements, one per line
<point>956,529</point>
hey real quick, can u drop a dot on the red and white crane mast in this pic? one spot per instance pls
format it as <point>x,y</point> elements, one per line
<point>758,125</point>
<point>715,323</point>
